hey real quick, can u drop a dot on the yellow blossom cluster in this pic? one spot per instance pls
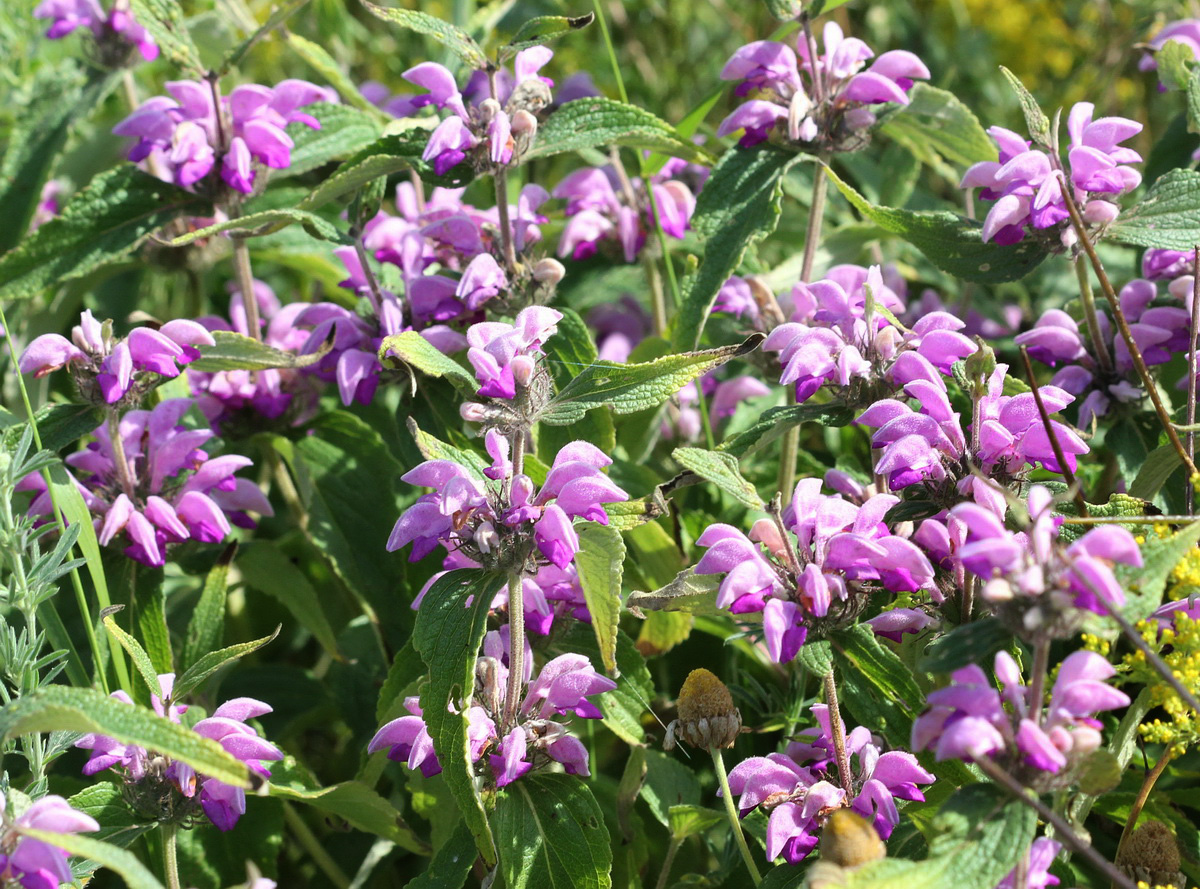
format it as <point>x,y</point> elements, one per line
<point>1185,576</point>
<point>1179,647</point>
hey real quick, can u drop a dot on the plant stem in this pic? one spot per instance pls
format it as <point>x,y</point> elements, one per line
<point>1062,829</point>
<point>1080,503</point>
<point>120,461</point>
<point>1191,396</point>
<point>1139,802</point>
<point>816,216</point>
<point>1089,315</point>
<point>968,598</point>
<point>788,451</point>
<point>1037,679</point>
<point>734,821</point>
<point>245,276</point>
<point>368,273</point>
<point>516,648</point>
<point>665,873</point>
<point>170,856</point>
<point>314,848</point>
<point>838,730</point>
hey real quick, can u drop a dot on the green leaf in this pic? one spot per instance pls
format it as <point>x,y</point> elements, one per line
<point>722,470</point>
<point>59,708</point>
<point>266,568</point>
<point>624,706</point>
<point>687,821</point>
<point>973,643</point>
<point>132,871</point>
<point>105,801</point>
<point>940,130</point>
<point>739,205</point>
<point>669,783</point>
<point>59,425</point>
<point>331,72</point>
<point>627,388</point>
<point>542,30</point>
<point>236,351</point>
<point>951,242</point>
<point>663,630</point>
<point>599,562</point>
<point>137,654</point>
<point>689,591</point>
<point>550,834</point>
<point>785,10</point>
<point>101,224</point>
<point>447,635</point>
<point>785,876</point>
<point>1168,216</point>
<point>816,657</point>
<point>215,660</point>
<point>414,350</point>
<point>595,122</point>
<point>1193,102</point>
<point>882,691</point>
<point>359,806</point>
<point>1160,555</point>
<point>1159,466</point>
<point>206,628</point>
<point>435,449</point>
<point>344,131</point>
<point>281,13</point>
<point>164,20</point>
<point>450,36</point>
<point>452,863</point>
<point>59,96</point>
<point>265,223</point>
<point>407,668</point>
<point>568,353</point>
<point>1035,119</point>
<point>1174,60</point>
<point>775,421</point>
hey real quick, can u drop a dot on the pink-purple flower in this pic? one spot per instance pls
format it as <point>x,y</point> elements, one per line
<point>68,15</point>
<point>32,863</point>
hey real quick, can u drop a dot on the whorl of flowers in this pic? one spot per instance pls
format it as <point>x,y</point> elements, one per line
<point>32,863</point>
<point>164,787</point>
<point>118,25</point>
<point>112,370</point>
<point>186,135</point>
<point>157,487</point>
<point>800,786</point>
<point>562,687</point>
<point>824,101</point>
<point>969,719</point>
<point>1026,183</point>
<point>814,568</point>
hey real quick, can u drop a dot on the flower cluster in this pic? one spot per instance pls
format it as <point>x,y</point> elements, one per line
<point>1026,183</point>
<point>813,567</point>
<point>167,789</point>
<point>562,687</point>
<point>799,787</point>
<point>155,486</point>
<point>505,355</point>
<point>967,720</point>
<point>819,100</point>
<point>118,24</point>
<point>186,135</point>
<point>111,370</point>
<point>1036,865</point>
<point>35,864</point>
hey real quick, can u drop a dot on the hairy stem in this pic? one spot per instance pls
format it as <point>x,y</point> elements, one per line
<point>839,734</point>
<point>120,461</point>
<point>1099,347</point>
<point>245,278</point>
<point>968,598</point>
<point>500,176</point>
<point>1139,802</point>
<point>516,648</point>
<point>1080,503</point>
<point>170,856</point>
<point>372,282</point>
<point>734,821</point>
<point>665,874</point>
<point>1037,679</point>
<point>1191,372</point>
<point>816,216</point>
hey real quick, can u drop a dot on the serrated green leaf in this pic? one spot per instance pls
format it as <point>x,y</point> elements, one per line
<point>1148,581</point>
<point>59,708</point>
<point>432,448</point>
<point>596,122</point>
<point>359,806</point>
<point>550,834</point>
<point>599,562</point>
<point>687,821</point>
<point>331,72</point>
<point>816,657</point>
<point>633,387</point>
<point>206,628</point>
<point>132,871</point>
<point>689,591</point>
<point>722,470</point>
<point>266,568</point>
<point>951,242</point>
<point>117,211</point>
<point>1193,102</point>
<point>164,20</point>
<point>663,630</point>
<point>447,635</point>
<point>236,351</point>
<point>215,660</point>
<point>1174,62</point>
<point>568,353</point>
<point>450,36</point>
<point>785,10</point>
<point>105,801</point>
<point>265,223</point>
<point>1160,465</point>
<point>542,30</point>
<point>280,14</point>
<point>58,425</point>
<point>668,783</point>
<point>886,696</point>
<point>1168,216</point>
<point>940,130</point>
<point>777,420</point>
<point>414,350</point>
<point>1035,119</point>
<point>739,205</point>
<point>973,643</point>
<point>345,130</point>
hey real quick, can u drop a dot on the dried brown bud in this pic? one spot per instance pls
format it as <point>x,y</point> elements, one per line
<point>707,717</point>
<point>1151,855</point>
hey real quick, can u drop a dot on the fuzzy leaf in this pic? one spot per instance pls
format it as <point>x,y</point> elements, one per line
<point>624,706</point>
<point>450,36</point>
<point>940,130</point>
<point>775,421</point>
<point>266,568</point>
<point>59,708</point>
<point>435,449</point>
<point>599,562</point>
<point>236,351</point>
<point>137,654</point>
<point>686,821</point>
<point>785,10</point>
<point>414,350</point>
<point>266,223</point>
<point>359,806</point>
<point>452,863</point>
<point>722,470</point>
<point>691,592</point>
<point>164,20</point>
<point>973,643</point>
<point>663,630</point>
<point>595,122</point>
<point>344,131</point>
<point>132,871</point>
<point>542,30</point>
<point>281,13</point>
<point>319,59</point>
<point>1168,216</point>
<point>550,834</point>
<point>206,628</point>
<point>1160,465</point>
<point>738,206</point>
<point>951,242</point>
<point>101,224</point>
<point>215,660</point>
<point>448,634</point>
<point>633,387</point>
<point>887,696</point>
<point>1035,119</point>
<point>1160,555</point>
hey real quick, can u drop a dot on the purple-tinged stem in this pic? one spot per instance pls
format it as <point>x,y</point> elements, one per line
<point>1191,398</point>
<point>516,648</point>
<point>1037,680</point>
<point>1099,347</point>
<point>120,461</point>
<point>1080,503</point>
<point>839,735</point>
<point>500,177</point>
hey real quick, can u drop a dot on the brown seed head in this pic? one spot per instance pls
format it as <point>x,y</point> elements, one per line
<point>1151,846</point>
<point>707,717</point>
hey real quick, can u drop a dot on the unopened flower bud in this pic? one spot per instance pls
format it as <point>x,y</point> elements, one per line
<point>548,271</point>
<point>486,537</point>
<point>707,717</point>
<point>997,590</point>
<point>1100,212</point>
<point>489,108</point>
<point>473,411</point>
<point>523,367</point>
<point>766,532</point>
<point>524,124</point>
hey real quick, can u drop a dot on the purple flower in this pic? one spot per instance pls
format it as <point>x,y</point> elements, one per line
<point>1184,31</point>
<point>222,803</point>
<point>503,355</point>
<point>68,15</point>
<point>169,489</point>
<point>723,398</point>
<point>35,864</point>
<point>1037,866</point>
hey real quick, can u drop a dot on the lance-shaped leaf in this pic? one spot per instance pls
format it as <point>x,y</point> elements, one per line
<point>973,643</point>
<point>450,36</point>
<point>448,632</point>
<point>775,421</point>
<point>137,654</point>
<point>215,660</point>
<point>599,562</point>
<point>542,30</point>
<point>885,696</point>
<point>206,628</point>
<point>951,242</point>
<point>551,835</point>
<point>738,206</point>
<point>257,225</point>
<point>1168,216</point>
<point>236,351</point>
<point>331,72</point>
<point>722,470</point>
<point>689,591</point>
<point>344,131</point>
<point>940,130</point>
<point>1160,465</point>
<point>164,20</point>
<point>59,425</point>
<point>433,448</point>
<point>135,874</point>
<point>101,224</point>
<point>414,350</point>
<point>54,708</point>
<point>595,122</point>
<point>266,568</point>
<point>634,387</point>
<point>452,863</point>
<point>1035,119</point>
